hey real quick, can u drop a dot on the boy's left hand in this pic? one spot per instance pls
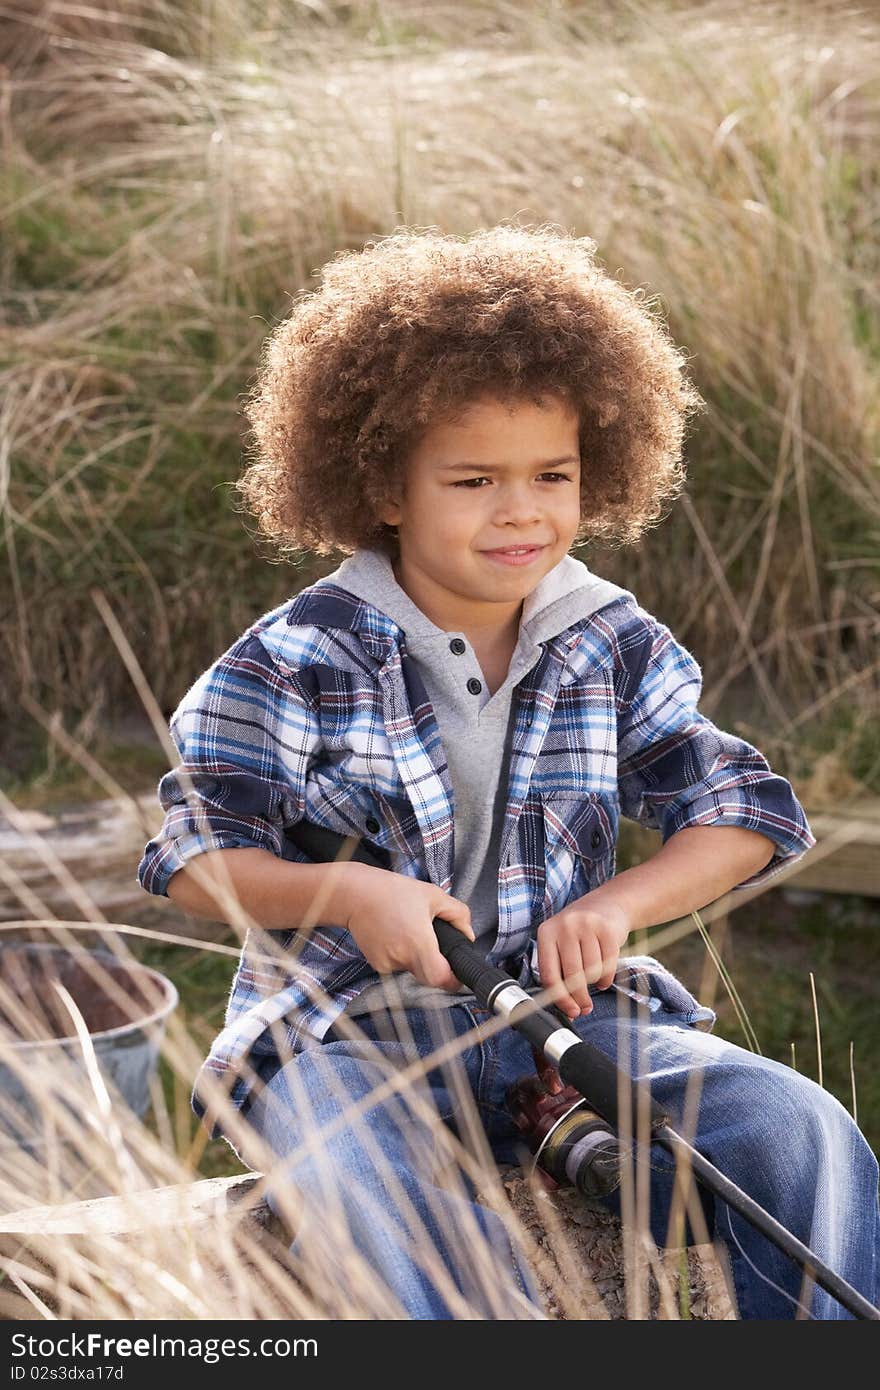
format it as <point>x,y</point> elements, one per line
<point>581,944</point>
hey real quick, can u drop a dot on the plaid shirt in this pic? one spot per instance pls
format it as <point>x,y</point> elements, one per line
<point>318,712</point>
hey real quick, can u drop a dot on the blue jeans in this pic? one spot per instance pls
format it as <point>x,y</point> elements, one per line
<point>776,1134</point>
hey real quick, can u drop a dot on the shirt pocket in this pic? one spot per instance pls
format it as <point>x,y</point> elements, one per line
<point>579,843</point>
<point>650,984</point>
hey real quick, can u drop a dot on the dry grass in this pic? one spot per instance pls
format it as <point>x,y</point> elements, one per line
<point>85,1144</point>
<point>171,179</point>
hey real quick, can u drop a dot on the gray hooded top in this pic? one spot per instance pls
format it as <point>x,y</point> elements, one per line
<point>475,727</point>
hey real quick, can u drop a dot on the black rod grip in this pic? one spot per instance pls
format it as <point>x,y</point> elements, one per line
<point>604,1085</point>
<point>582,1065</point>
<point>324,846</point>
<point>466,961</point>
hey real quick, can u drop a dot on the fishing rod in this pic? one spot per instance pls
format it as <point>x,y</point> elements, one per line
<point>583,1067</point>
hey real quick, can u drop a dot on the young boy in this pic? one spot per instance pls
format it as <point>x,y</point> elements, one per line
<point>456,414</point>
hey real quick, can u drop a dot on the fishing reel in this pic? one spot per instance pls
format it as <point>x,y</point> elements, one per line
<point>571,1143</point>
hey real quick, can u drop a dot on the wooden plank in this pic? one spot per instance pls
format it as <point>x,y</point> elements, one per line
<point>845,858</point>
<point>181,1204</point>
<point>579,1234</point>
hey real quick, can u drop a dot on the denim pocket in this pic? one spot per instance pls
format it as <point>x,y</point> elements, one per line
<point>649,983</point>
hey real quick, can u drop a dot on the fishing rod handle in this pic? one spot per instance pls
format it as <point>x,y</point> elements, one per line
<point>467,963</point>
<point>469,966</point>
<point>579,1063</point>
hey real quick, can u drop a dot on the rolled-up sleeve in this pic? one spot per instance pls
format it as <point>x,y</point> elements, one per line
<point>245,733</point>
<point>677,769</point>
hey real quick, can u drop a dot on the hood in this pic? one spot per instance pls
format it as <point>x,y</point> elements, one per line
<point>568,594</point>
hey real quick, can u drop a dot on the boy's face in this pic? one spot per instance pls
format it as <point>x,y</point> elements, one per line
<point>500,476</point>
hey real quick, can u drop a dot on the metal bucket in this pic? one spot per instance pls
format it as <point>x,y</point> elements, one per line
<point>42,1060</point>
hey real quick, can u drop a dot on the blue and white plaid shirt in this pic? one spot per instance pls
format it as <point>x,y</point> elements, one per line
<point>317,712</point>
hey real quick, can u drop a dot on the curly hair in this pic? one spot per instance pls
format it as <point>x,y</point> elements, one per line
<point>417,326</point>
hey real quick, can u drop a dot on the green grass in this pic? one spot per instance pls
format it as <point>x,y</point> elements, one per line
<point>42,779</point>
<point>772,945</point>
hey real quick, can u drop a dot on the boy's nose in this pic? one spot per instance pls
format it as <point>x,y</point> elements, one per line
<point>519,506</point>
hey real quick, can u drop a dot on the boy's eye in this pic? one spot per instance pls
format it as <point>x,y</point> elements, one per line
<point>468,482</point>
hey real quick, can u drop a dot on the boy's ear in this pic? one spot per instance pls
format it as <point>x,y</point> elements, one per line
<point>389,512</point>
<point>389,508</point>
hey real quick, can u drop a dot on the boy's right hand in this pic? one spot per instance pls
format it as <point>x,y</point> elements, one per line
<point>391,917</point>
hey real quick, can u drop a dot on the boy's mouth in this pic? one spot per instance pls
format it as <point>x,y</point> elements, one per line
<point>515,554</point>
